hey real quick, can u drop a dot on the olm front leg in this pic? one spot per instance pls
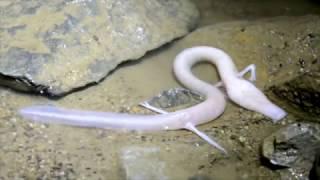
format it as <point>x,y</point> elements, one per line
<point>251,68</point>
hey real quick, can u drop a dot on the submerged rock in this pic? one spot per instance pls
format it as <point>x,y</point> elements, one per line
<point>143,163</point>
<point>54,47</point>
<point>174,99</point>
<point>293,147</point>
<point>302,93</point>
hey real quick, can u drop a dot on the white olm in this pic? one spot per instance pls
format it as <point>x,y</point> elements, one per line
<point>239,90</point>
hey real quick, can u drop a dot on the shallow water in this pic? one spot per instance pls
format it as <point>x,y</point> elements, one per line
<point>30,150</point>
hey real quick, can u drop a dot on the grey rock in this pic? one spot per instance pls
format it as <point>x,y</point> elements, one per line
<point>54,47</point>
<point>294,147</point>
<point>174,99</point>
<point>139,163</point>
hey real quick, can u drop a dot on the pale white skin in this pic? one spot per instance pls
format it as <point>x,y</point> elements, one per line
<point>239,90</point>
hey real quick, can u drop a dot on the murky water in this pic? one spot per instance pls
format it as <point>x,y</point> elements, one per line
<point>36,151</point>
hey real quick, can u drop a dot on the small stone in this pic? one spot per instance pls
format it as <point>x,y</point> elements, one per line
<point>141,163</point>
<point>242,139</point>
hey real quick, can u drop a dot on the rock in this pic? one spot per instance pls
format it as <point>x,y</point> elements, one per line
<point>315,171</point>
<point>302,93</point>
<point>54,47</point>
<point>140,163</point>
<point>174,99</point>
<point>294,147</point>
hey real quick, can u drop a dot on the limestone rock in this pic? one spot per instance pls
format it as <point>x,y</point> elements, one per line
<point>143,164</point>
<point>174,99</point>
<point>294,147</point>
<point>53,47</point>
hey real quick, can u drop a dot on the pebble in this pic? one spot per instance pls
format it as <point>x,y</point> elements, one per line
<point>242,139</point>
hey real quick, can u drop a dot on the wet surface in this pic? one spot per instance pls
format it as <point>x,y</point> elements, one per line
<point>30,150</point>
<point>59,46</point>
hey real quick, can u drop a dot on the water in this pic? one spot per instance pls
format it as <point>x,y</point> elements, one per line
<point>31,151</point>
